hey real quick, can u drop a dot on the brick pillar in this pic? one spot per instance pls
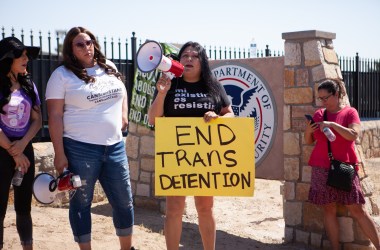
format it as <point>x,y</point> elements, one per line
<point>140,151</point>
<point>309,59</point>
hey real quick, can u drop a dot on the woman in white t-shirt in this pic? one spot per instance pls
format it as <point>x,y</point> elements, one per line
<point>87,107</point>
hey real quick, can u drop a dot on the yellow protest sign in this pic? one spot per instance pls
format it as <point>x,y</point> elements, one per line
<point>196,158</point>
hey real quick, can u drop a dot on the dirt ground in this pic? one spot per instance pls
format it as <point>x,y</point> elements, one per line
<point>242,223</point>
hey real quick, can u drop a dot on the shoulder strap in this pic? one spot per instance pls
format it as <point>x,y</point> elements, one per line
<point>328,142</point>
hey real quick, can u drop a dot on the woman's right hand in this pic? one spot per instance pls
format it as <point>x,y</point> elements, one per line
<point>60,163</point>
<point>311,127</point>
<point>308,134</point>
<point>163,84</point>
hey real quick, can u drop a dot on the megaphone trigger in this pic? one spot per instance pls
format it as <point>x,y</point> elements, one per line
<point>168,74</point>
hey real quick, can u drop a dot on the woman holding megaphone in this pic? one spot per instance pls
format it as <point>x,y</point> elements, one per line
<point>205,98</point>
<point>88,110</point>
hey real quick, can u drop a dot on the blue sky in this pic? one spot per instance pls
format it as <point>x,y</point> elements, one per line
<point>214,22</point>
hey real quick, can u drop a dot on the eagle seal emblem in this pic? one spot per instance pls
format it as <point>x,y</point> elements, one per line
<point>250,96</point>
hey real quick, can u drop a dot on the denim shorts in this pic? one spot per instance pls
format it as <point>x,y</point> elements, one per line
<point>109,165</point>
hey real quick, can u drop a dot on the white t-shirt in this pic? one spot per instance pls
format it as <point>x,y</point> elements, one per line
<point>92,111</point>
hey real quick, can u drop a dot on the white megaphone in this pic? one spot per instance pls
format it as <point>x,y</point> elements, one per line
<point>46,187</point>
<point>150,56</point>
<point>42,190</point>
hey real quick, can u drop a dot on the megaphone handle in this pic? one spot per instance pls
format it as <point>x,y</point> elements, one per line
<point>62,174</point>
<point>53,185</point>
<point>169,74</point>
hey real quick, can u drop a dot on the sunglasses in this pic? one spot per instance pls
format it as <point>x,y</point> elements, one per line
<point>194,56</point>
<point>85,44</point>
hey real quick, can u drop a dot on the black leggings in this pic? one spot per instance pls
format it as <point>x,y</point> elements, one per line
<point>22,195</point>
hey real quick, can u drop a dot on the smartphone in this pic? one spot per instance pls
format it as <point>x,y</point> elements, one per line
<point>310,118</point>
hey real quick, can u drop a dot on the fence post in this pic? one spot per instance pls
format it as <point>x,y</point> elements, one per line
<point>134,67</point>
<point>112,57</point>
<point>22,35</point>
<point>31,37</point>
<point>126,59</point>
<point>105,47</point>
<point>58,47</point>
<point>267,51</point>
<point>355,96</point>
<point>133,44</point>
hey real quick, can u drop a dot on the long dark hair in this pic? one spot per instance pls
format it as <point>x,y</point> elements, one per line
<point>212,84</point>
<point>25,81</point>
<point>70,62</point>
<point>332,86</point>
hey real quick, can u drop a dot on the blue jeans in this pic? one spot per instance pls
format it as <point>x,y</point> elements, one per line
<point>109,165</point>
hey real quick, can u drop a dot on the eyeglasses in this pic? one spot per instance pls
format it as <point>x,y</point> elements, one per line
<point>85,44</point>
<point>324,99</point>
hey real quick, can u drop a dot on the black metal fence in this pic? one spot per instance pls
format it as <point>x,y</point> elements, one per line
<point>216,53</point>
<point>362,79</point>
<point>356,71</point>
<point>49,60</point>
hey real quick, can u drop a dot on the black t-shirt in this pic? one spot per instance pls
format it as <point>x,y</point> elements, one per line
<point>186,99</point>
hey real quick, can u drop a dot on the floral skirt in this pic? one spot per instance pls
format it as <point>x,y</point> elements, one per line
<point>321,194</point>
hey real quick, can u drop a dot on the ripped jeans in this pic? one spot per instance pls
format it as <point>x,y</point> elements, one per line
<point>109,165</point>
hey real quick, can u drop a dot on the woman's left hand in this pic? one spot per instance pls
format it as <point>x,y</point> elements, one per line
<point>324,124</point>
<point>209,115</point>
<point>17,147</point>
